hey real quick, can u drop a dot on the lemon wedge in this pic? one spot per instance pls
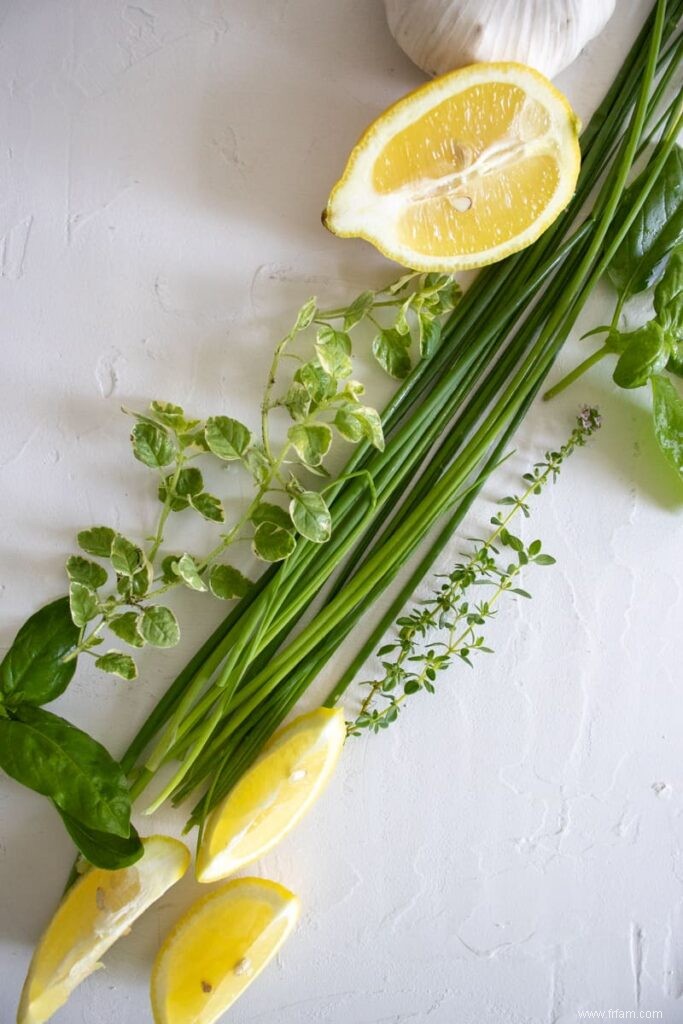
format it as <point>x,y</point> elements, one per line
<point>94,913</point>
<point>273,794</point>
<point>217,949</point>
<point>465,170</point>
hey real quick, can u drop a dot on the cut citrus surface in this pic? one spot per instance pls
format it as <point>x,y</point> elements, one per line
<point>218,947</point>
<point>94,913</point>
<point>273,794</point>
<point>462,172</point>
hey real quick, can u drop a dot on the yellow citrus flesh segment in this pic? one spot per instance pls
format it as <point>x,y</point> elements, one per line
<point>218,948</point>
<point>438,227</point>
<point>94,913</point>
<point>464,171</point>
<point>273,795</point>
<point>457,132</point>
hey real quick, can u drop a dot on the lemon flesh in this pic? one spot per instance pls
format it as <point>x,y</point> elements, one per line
<point>273,795</point>
<point>218,948</point>
<point>462,172</point>
<point>94,913</point>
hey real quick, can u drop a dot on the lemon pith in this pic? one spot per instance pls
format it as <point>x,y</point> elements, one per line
<point>462,172</point>
<point>273,795</point>
<point>94,913</point>
<point>218,947</point>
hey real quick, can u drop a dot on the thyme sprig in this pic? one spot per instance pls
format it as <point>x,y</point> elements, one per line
<point>448,625</point>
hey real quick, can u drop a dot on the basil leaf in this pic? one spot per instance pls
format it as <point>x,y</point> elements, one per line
<point>311,516</point>
<point>152,445</point>
<point>390,349</point>
<point>103,849</point>
<point>333,349</point>
<point>668,300</point>
<point>645,354</point>
<point>675,364</point>
<point>227,582</point>
<point>159,627</point>
<point>33,671</point>
<point>271,543</point>
<point>311,441</point>
<point>667,415</point>
<point>53,757</point>
<point>97,541</point>
<point>658,228</point>
<point>668,297</point>
<point>227,438</point>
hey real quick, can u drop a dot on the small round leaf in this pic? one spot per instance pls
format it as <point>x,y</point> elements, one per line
<point>159,626</point>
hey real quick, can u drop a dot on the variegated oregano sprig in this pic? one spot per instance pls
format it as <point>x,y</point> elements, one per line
<point>448,626</point>
<point>321,400</point>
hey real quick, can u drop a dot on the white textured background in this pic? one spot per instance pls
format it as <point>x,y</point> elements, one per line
<point>510,853</point>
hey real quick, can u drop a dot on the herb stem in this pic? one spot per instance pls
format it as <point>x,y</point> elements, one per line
<point>577,372</point>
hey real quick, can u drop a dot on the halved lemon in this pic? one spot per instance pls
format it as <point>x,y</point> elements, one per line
<point>94,913</point>
<point>218,947</point>
<point>465,170</point>
<point>273,795</point>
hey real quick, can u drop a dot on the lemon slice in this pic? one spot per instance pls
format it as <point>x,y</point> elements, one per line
<point>94,913</point>
<point>467,169</point>
<point>273,794</point>
<point>217,949</point>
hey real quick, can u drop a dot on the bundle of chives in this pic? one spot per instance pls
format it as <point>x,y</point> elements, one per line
<point>249,699</point>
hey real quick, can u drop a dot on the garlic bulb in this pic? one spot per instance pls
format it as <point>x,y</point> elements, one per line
<point>439,35</point>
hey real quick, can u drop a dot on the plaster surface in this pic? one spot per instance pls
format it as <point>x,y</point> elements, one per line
<point>510,852</point>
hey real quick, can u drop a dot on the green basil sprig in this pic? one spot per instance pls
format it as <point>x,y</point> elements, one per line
<point>102,848</point>
<point>656,231</point>
<point>34,670</point>
<point>650,257</point>
<point>53,757</point>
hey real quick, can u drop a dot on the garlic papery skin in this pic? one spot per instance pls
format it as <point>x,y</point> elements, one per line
<point>440,35</point>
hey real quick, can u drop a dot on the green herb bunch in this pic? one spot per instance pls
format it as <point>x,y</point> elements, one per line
<point>321,400</point>
<point>118,587</point>
<point>446,429</point>
<point>448,625</point>
<point>650,259</point>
